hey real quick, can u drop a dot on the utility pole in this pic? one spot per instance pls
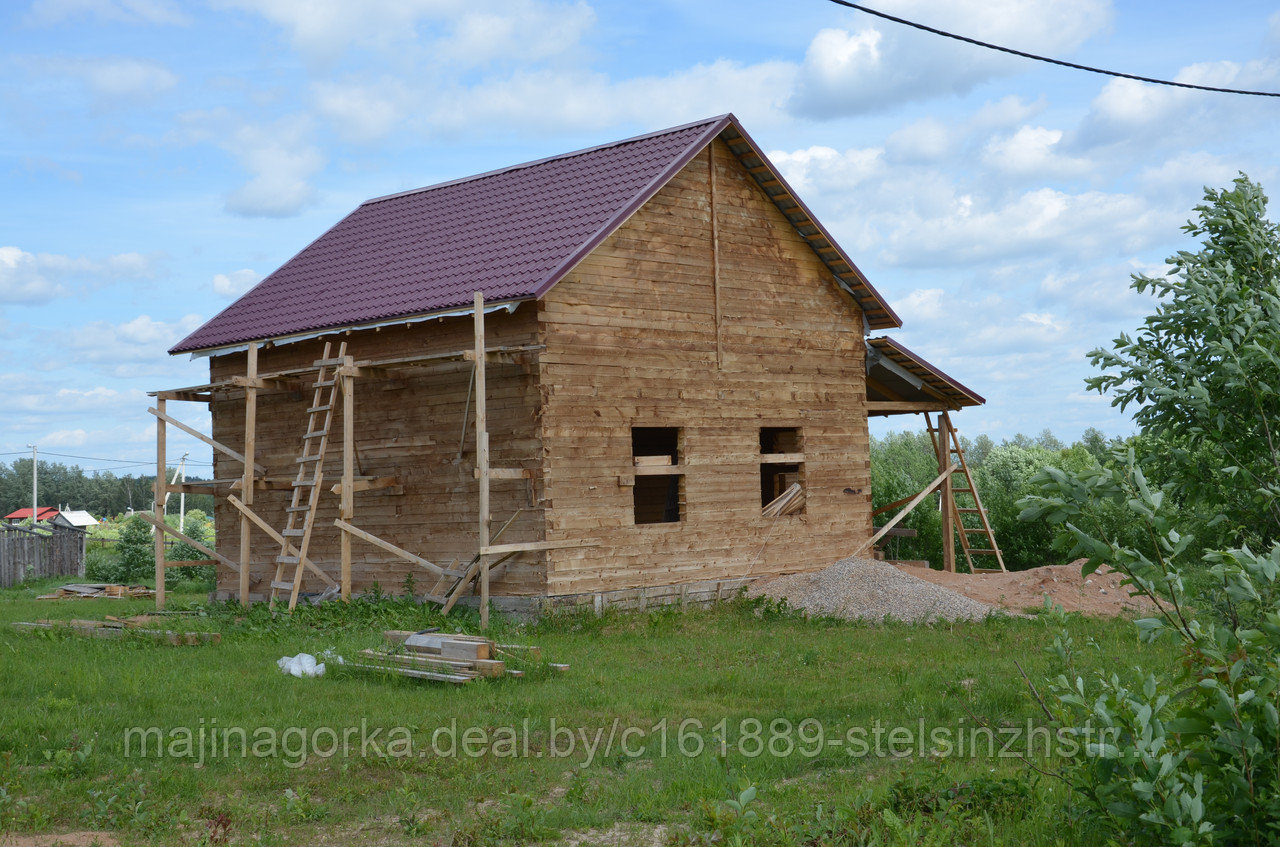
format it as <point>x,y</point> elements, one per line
<point>179,471</point>
<point>35,489</point>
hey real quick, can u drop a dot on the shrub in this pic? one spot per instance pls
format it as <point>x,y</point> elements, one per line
<point>102,564</point>
<point>136,550</point>
<point>1192,756</point>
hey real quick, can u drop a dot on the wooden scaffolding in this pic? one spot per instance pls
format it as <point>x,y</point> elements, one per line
<point>332,380</point>
<point>958,520</point>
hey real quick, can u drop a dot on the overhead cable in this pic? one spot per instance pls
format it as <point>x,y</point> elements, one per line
<point>1060,62</point>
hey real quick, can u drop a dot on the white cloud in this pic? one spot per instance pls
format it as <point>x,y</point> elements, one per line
<point>499,30</point>
<point>65,438</point>
<point>128,11</point>
<point>282,160</point>
<point>1033,151</point>
<point>235,283</point>
<point>122,345</point>
<point>39,277</point>
<point>883,64</point>
<point>553,100</point>
<point>832,170</point>
<point>1041,220</point>
<point>1128,112</point>
<point>925,140</point>
<point>125,78</point>
<point>360,113</point>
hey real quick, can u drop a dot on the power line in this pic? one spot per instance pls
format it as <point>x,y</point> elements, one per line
<point>1050,61</point>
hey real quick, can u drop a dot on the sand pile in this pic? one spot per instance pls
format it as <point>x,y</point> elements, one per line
<point>1100,593</point>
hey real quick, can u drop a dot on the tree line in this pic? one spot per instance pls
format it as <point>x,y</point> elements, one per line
<point>101,493</point>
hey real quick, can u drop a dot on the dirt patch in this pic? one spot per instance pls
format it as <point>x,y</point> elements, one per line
<point>619,835</point>
<point>870,590</point>
<point>66,839</point>
<point>1100,593</point>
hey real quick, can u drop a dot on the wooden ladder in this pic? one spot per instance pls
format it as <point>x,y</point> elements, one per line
<point>953,452</point>
<point>310,476</point>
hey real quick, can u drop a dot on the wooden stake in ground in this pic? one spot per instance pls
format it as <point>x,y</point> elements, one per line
<point>348,505</point>
<point>250,443</point>
<point>161,469</point>
<point>482,461</point>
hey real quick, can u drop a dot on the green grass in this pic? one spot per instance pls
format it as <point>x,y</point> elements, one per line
<point>66,701</point>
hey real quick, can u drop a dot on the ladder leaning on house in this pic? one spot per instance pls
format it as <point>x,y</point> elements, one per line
<point>946,444</point>
<point>310,476</point>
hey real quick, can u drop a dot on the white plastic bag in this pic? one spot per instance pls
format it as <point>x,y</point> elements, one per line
<point>301,665</point>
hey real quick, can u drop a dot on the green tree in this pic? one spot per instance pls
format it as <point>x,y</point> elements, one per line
<point>137,550</point>
<point>197,527</point>
<point>1203,372</point>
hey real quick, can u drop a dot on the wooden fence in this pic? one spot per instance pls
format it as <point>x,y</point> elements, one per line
<point>27,553</point>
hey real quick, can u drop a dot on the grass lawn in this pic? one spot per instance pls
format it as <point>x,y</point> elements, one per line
<point>695,683</point>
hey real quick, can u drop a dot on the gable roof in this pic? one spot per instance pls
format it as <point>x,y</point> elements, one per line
<point>46,513</point>
<point>510,233</point>
<point>76,518</point>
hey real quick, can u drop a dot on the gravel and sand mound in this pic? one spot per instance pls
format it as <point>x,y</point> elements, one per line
<point>870,590</point>
<point>1100,593</point>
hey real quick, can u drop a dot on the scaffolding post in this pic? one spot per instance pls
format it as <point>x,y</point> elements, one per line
<point>347,507</point>
<point>161,493</point>
<point>247,481</point>
<point>482,460</point>
<point>947,505</point>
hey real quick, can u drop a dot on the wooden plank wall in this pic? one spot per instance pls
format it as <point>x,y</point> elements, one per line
<point>406,427</point>
<point>631,338</point>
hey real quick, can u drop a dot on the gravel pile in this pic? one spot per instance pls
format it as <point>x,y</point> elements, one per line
<point>870,590</point>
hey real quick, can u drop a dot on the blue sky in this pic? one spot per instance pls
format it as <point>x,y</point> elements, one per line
<point>157,158</point>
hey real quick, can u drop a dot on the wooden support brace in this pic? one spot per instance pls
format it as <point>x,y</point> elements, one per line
<point>368,484</point>
<point>389,547</point>
<point>208,551</point>
<point>278,538</point>
<point>195,433</point>
<point>532,546</point>
<point>915,501</point>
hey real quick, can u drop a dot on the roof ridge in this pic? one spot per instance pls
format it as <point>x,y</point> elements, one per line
<point>546,159</point>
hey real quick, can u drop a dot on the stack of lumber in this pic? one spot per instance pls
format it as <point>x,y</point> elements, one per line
<point>98,590</point>
<point>789,501</point>
<point>445,657</point>
<point>116,627</point>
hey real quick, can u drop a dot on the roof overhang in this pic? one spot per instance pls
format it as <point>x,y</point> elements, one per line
<point>900,383</point>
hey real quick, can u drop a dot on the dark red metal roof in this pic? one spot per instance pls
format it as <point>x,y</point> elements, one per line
<point>46,513</point>
<point>941,384</point>
<point>510,233</point>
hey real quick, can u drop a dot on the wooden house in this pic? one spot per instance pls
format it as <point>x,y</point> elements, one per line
<point>580,379</point>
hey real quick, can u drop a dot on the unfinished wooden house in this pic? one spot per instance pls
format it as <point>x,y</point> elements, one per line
<point>634,373</point>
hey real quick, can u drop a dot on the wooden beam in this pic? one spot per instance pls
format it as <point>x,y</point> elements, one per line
<point>247,481</point>
<point>208,551</point>
<point>162,470</point>
<point>348,529</point>
<point>659,470</point>
<point>915,501</point>
<point>278,538</point>
<point>782,458</point>
<point>347,506</point>
<point>532,546</point>
<point>370,484</point>
<point>195,433</point>
<point>173,563</point>
<point>482,460</point>
<point>506,473</point>
<point>904,407</point>
<point>943,446</point>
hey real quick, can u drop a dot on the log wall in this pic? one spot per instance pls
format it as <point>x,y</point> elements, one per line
<point>634,337</point>
<point>409,427</point>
